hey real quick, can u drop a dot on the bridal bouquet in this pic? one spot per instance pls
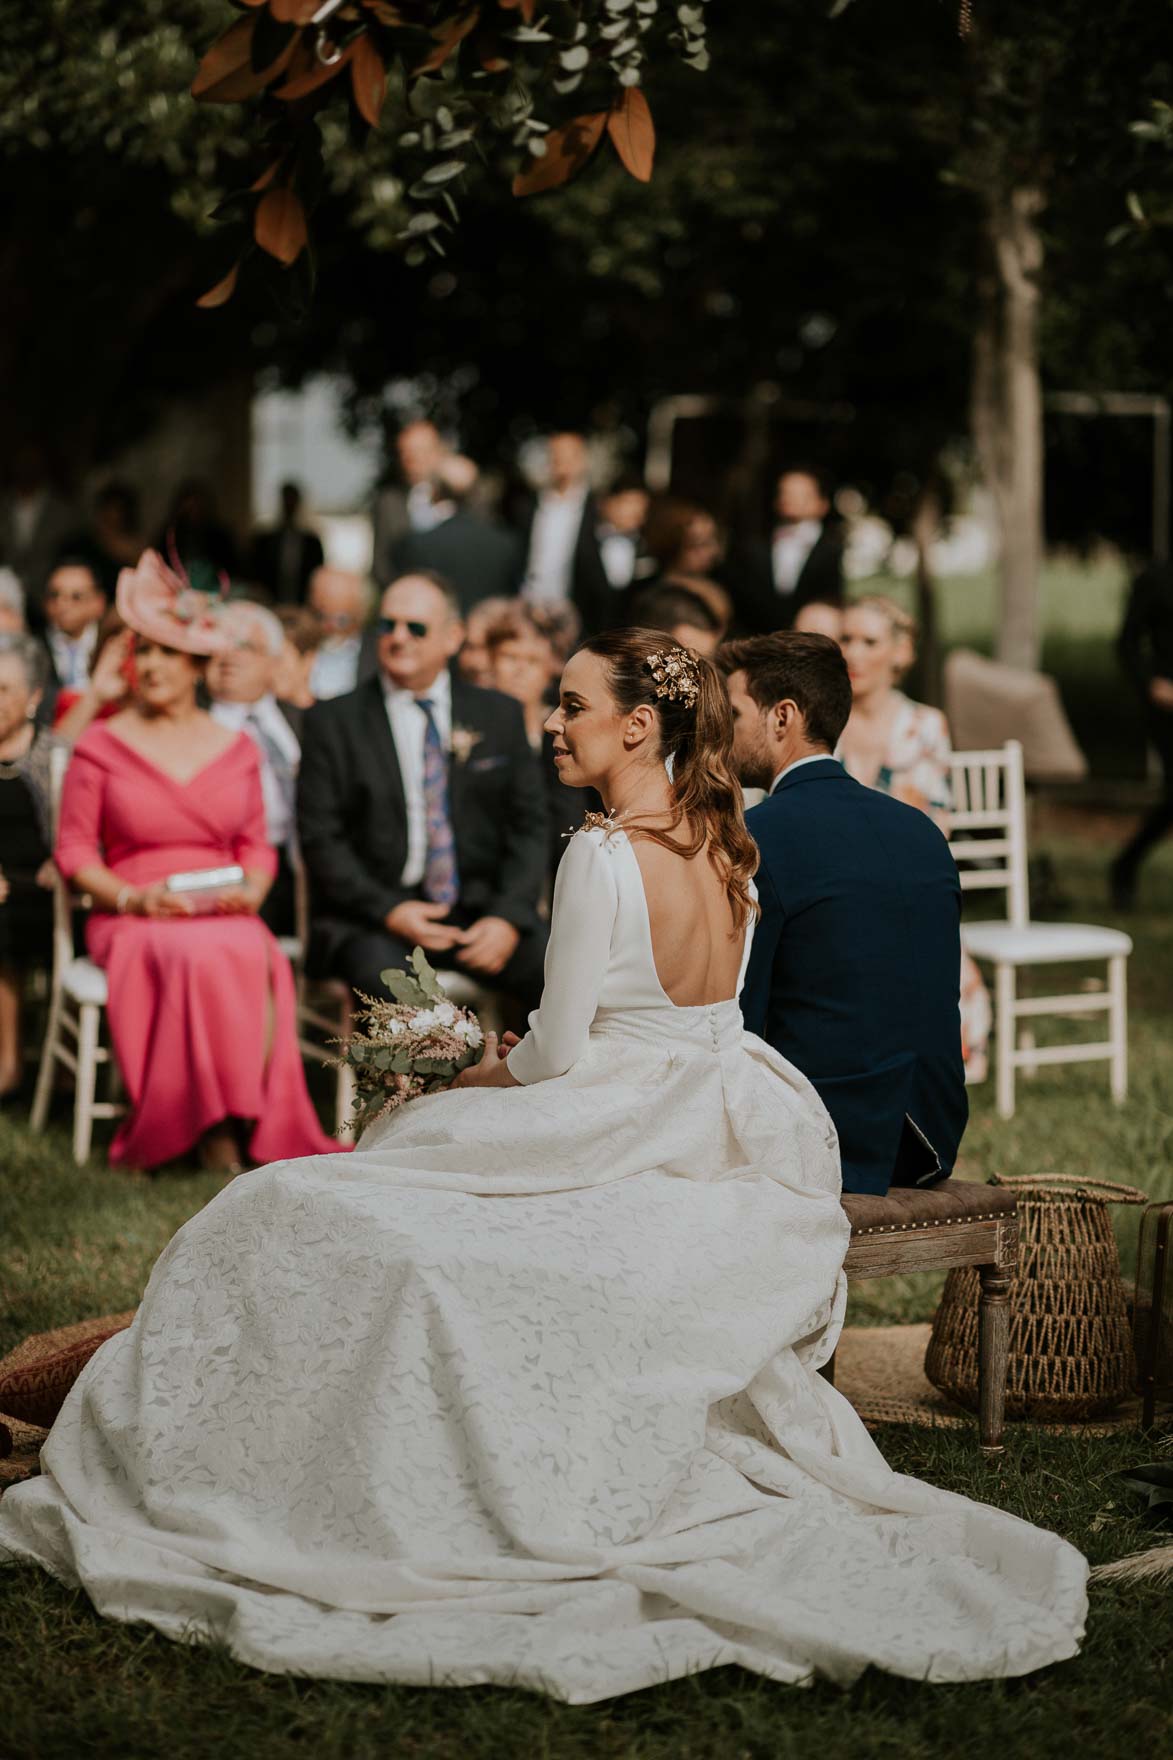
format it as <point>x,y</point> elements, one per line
<point>414,1045</point>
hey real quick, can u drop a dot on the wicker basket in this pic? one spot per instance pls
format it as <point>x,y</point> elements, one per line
<point>1070,1342</point>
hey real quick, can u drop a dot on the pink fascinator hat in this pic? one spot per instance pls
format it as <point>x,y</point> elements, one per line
<point>161,605</point>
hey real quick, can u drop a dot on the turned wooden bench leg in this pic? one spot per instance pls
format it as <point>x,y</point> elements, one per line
<point>993,1355</point>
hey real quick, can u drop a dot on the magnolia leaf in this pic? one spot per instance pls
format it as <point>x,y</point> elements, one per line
<point>270,41</point>
<point>222,292</point>
<point>448,40</point>
<point>528,8</point>
<point>633,133</point>
<point>267,176</point>
<point>368,78</point>
<point>225,74</point>
<point>303,83</point>
<point>428,981</point>
<point>279,225</point>
<point>567,151</point>
<point>293,11</point>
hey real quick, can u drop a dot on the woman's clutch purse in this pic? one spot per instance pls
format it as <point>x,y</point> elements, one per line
<point>203,886</point>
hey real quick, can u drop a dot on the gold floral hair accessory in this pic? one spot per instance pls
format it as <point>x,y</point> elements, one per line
<point>677,676</point>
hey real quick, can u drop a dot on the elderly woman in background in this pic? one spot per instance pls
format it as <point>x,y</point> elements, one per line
<point>201,1003</point>
<point>303,637</point>
<point>26,874</point>
<point>903,748</point>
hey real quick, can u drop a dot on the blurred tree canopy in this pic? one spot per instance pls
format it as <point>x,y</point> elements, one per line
<point>830,218</point>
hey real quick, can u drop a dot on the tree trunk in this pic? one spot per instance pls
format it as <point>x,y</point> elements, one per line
<point>926,525</point>
<point>1008,414</point>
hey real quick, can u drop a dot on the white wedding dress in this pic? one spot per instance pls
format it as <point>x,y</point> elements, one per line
<point>525,1389</point>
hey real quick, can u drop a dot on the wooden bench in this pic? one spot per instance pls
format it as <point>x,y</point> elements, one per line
<point>954,1223</point>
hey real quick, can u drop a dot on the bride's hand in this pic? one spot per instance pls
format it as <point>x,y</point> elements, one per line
<point>492,1071</point>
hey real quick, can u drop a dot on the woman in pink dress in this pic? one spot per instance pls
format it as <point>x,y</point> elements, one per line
<point>201,1005</point>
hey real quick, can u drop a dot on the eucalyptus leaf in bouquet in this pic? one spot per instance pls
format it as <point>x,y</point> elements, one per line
<point>414,1045</point>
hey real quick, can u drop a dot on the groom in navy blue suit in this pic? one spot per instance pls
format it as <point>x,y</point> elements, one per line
<point>856,962</point>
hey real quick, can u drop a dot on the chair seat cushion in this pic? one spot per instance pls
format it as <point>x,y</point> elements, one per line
<point>1042,943</point>
<point>907,1207</point>
<point>83,981</point>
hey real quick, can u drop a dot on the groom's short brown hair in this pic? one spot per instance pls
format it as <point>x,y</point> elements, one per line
<point>808,669</point>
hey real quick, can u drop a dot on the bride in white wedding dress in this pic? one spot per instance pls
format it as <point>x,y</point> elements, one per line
<point>525,1390</point>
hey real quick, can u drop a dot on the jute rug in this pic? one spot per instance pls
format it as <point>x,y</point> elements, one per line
<point>880,1369</point>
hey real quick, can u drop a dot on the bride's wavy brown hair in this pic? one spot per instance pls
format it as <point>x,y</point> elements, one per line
<point>706,795</point>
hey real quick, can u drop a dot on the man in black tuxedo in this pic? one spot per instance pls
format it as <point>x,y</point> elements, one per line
<point>802,561</point>
<point>73,606</point>
<point>422,814</point>
<point>854,972</point>
<point>477,556</point>
<point>581,547</point>
<point>282,560</point>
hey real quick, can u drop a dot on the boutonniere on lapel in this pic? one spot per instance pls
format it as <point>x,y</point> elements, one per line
<point>463,743</point>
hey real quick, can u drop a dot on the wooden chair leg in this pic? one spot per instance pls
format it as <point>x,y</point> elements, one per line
<point>1004,1038</point>
<point>993,1356</point>
<point>89,1020</point>
<point>1118,1025</point>
<point>39,1116</point>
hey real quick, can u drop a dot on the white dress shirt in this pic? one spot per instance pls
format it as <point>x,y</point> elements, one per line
<point>408,727</point>
<point>72,655</point>
<point>335,668</point>
<point>549,568</point>
<point>263,721</point>
<point>792,545</point>
<point>815,758</point>
<point>618,552</point>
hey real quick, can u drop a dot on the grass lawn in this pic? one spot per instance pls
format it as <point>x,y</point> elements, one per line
<point>80,1242</point>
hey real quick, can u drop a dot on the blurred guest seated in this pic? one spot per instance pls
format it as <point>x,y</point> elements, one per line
<point>283,559</point>
<point>477,556</point>
<point>406,503</point>
<point>524,665</point>
<point>242,680</point>
<point>108,687</point>
<point>35,523</point>
<point>113,540</point>
<point>422,815</point>
<point>11,604</point>
<point>473,658</point>
<point>196,538</point>
<point>683,538</point>
<point>341,601</point>
<point>74,603</point>
<point>1145,648</point>
<point>201,1007</point>
<point>679,613</point>
<point>303,638</point>
<point>819,617</point>
<point>26,872</point>
<point>903,749</point>
<point>802,561</point>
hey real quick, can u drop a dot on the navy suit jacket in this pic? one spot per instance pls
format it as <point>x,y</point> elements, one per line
<point>855,969</point>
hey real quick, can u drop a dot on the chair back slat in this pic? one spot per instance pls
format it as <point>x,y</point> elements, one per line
<point>989,795</point>
<point>59,757</point>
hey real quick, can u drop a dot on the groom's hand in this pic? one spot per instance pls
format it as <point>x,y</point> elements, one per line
<point>421,924</point>
<point>489,946</point>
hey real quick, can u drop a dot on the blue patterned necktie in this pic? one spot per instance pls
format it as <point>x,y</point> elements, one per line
<point>441,880</point>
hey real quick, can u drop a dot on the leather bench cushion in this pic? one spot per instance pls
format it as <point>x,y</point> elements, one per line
<point>954,1200</point>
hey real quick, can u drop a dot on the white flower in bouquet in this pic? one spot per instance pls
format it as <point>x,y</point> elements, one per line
<point>415,1045</point>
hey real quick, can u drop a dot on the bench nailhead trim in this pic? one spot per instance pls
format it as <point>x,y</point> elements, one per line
<point>937,1222</point>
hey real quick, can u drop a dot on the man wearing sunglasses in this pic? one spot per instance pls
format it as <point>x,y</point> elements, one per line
<point>422,813</point>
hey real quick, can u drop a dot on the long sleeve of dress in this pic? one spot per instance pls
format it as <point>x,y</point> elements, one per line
<point>586,899</point>
<point>79,828</point>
